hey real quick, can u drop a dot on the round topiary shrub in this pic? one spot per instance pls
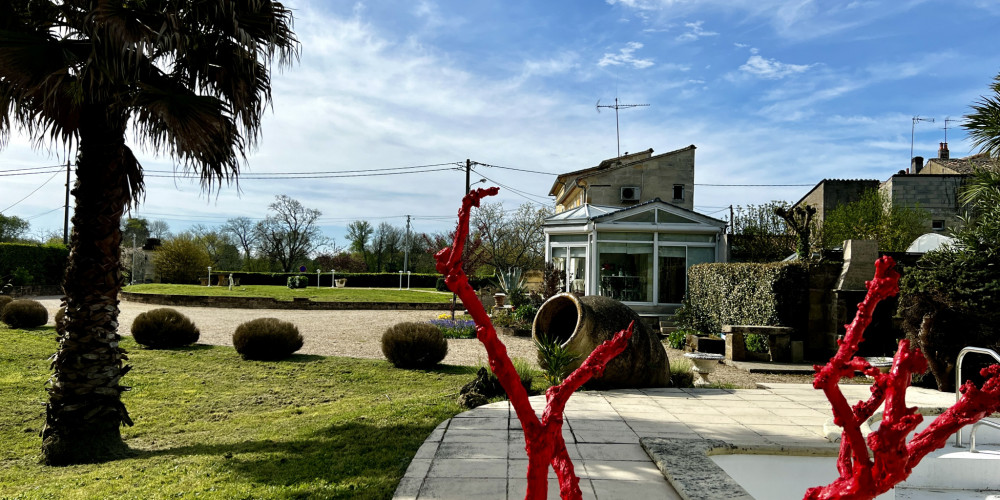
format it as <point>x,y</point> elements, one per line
<point>164,328</point>
<point>267,339</point>
<point>23,313</point>
<point>414,345</point>
<point>61,320</point>
<point>4,300</point>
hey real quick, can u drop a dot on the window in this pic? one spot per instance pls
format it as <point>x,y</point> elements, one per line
<point>626,271</point>
<point>937,225</point>
<point>678,191</point>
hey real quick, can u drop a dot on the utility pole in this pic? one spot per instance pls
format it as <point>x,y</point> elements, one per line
<point>616,107</point>
<point>468,187</point>
<point>406,249</point>
<point>66,209</point>
<point>731,219</point>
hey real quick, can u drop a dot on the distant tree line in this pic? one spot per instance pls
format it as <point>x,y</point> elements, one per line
<point>289,237</point>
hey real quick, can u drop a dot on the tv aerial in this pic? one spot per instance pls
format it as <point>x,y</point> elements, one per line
<point>616,106</point>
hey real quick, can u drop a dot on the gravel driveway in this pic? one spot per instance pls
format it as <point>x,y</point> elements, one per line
<point>356,334</point>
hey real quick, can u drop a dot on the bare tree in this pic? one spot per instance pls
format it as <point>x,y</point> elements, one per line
<point>158,229</point>
<point>243,231</point>
<point>219,246</point>
<point>512,239</point>
<point>289,234</point>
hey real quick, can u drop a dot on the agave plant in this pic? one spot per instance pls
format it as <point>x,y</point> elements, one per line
<point>511,280</point>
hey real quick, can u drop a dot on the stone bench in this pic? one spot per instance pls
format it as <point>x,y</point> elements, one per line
<point>779,341</point>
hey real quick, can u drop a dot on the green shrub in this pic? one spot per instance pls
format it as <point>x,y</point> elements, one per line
<point>525,314</point>
<point>182,259</point>
<point>23,313</point>
<point>414,345</point>
<point>756,342</point>
<point>22,277</point>
<point>677,338</point>
<point>490,385</point>
<point>554,358</point>
<point>164,328</point>
<point>297,282</point>
<point>61,320</point>
<point>267,339</point>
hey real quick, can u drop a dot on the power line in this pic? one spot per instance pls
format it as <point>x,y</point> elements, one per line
<point>46,171</point>
<point>324,176</point>
<point>35,168</point>
<point>31,193</point>
<point>60,207</point>
<point>518,192</point>
<point>326,172</point>
<point>512,168</point>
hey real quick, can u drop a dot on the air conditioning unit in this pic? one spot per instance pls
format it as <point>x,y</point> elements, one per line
<point>630,193</point>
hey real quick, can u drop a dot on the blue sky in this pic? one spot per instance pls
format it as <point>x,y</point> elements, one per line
<point>771,92</point>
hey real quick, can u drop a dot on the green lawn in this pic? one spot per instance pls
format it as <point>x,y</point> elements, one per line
<point>284,293</point>
<point>209,424</point>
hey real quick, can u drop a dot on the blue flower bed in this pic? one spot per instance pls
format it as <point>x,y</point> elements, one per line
<point>457,329</point>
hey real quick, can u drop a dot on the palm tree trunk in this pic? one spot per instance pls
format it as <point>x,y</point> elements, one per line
<point>84,413</point>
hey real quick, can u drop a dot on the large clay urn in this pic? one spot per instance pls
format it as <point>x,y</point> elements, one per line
<point>582,323</point>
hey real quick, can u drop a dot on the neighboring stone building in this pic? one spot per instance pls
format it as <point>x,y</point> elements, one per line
<point>831,193</point>
<point>933,187</point>
<point>630,180</point>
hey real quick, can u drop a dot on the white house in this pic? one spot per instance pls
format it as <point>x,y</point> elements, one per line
<point>639,254</point>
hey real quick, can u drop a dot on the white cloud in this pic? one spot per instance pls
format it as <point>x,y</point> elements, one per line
<point>625,57</point>
<point>694,32</point>
<point>797,20</point>
<point>771,69</point>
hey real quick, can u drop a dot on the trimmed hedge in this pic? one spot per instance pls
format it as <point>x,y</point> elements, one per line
<point>354,280</point>
<point>772,294</point>
<point>40,265</point>
<point>477,282</point>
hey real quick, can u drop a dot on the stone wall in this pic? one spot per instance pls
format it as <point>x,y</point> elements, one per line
<point>938,194</point>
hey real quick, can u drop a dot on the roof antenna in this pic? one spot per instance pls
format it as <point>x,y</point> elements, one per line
<point>616,107</point>
<point>946,120</point>
<point>912,127</point>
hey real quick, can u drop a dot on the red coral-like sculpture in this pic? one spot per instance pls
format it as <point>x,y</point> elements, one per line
<point>892,458</point>
<point>543,438</point>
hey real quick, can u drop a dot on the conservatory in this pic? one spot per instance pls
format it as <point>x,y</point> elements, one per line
<point>638,255</point>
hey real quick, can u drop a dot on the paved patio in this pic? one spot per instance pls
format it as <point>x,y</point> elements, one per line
<point>480,453</point>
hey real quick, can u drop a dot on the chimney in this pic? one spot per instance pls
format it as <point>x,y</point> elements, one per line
<point>943,152</point>
<point>916,164</point>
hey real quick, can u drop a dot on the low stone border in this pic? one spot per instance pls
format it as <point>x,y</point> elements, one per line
<point>270,303</point>
<point>687,466</point>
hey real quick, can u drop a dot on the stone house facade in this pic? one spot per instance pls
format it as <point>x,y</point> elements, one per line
<point>630,180</point>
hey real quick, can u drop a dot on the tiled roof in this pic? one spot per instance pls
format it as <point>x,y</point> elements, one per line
<point>964,165</point>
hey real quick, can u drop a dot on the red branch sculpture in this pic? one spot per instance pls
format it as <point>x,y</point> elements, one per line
<point>892,458</point>
<point>543,438</point>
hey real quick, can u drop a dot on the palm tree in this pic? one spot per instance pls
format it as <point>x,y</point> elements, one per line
<point>983,124</point>
<point>191,77</point>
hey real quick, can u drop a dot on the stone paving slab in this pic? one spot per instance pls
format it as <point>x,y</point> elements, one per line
<point>480,453</point>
